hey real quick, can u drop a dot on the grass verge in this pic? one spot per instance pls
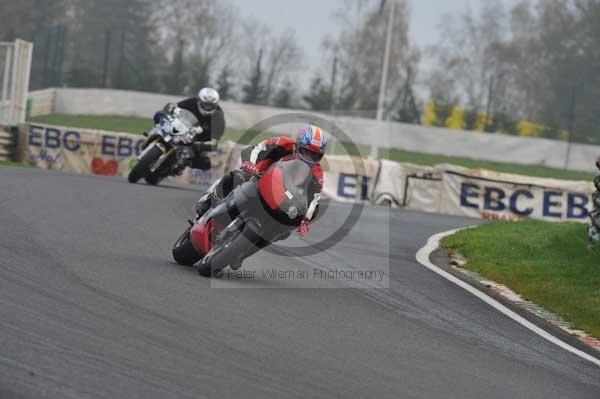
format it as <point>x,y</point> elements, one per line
<point>528,170</point>
<point>139,125</point>
<point>125,124</point>
<point>15,164</point>
<point>547,263</point>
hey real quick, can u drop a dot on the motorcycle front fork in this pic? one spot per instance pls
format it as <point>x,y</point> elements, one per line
<point>180,164</point>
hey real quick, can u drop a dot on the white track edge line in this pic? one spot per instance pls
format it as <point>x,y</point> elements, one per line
<point>423,257</point>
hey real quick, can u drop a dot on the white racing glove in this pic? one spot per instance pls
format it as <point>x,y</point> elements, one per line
<point>197,130</point>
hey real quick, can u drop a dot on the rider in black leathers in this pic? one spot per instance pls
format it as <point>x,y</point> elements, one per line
<point>211,125</point>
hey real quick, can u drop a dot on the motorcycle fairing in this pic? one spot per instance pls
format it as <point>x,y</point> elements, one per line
<point>200,235</point>
<point>262,208</point>
<point>272,187</point>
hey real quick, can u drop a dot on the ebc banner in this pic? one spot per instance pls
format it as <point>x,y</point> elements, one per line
<point>508,197</point>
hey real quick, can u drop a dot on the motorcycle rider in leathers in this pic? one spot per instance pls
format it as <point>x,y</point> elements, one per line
<point>211,122</point>
<point>309,145</point>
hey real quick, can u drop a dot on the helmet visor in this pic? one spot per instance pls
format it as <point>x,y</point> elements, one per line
<point>207,106</point>
<point>309,156</point>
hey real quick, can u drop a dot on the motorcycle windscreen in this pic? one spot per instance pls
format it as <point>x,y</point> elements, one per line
<point>286,181</point>
<point>184,121</point>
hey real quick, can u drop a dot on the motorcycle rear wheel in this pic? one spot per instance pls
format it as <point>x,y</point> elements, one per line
<point>227,253</point>
<point>184,252</point>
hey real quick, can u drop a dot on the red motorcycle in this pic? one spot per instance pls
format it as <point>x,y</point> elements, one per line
<point>256,213</point>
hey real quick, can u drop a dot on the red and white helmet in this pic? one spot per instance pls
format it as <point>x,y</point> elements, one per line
<point>311,144</point>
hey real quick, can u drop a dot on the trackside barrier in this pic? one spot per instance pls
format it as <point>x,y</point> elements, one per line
<point>446,189</point>
<point>478,193</point>
<point>361,131</point>
<point>502,196</point>
<point>8,143</point>
<point>102,153</point>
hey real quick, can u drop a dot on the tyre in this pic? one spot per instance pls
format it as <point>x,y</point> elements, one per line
<point>227,254</point>
<point>153,179</point>
<point>184,252</point>
<point>142,168</point>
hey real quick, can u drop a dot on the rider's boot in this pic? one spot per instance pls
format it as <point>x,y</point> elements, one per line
<point>207,200</point>
<point>203,204</point>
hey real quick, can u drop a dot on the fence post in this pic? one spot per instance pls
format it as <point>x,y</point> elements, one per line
<point>21,75</point>
<point>15,76</point>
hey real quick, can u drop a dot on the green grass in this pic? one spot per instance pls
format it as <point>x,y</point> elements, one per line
<point>547,263</point>
<point>139,125</point>
<point>15,164</point>
<point>125,124</point>
<point>528,170</point>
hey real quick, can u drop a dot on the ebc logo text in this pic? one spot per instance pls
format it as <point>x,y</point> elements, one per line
<point>550,203</point>
<point>110,145</point>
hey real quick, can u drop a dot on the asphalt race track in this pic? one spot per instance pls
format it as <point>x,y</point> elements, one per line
<point>91,305</point>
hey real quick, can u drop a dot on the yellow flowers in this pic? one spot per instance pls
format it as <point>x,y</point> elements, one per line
<point>460,119</point>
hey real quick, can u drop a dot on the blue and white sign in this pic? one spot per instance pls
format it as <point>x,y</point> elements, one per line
<point>506,197</point>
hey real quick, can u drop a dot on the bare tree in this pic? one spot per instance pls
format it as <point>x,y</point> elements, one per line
<point>269,60</point>
<point>224,84</point>
<point>200,35</point>
<point>42,22</point>
<point>254,89</point>
<point>214,33</point>
<point>283,57</point>
<point>537,63</point>
<point>358,50</point>
<point>465,57</point>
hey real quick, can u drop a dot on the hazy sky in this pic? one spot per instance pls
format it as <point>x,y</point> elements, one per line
<point>312,18</point>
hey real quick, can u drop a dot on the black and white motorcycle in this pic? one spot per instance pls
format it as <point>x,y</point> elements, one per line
<point>170,147</point>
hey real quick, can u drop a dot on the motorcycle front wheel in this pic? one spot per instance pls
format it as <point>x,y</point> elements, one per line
<point>184,252</point>
<point>153,179</point>
<point>142,168</point>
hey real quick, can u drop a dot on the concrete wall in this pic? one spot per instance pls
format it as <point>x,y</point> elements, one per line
<point>42,102</point>
<point>431,140</point>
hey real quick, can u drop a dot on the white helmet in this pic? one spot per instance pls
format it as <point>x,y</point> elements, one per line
<point>208,99</point>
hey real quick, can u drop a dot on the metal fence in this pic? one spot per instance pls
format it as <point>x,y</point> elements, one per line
<point>15,69</point>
